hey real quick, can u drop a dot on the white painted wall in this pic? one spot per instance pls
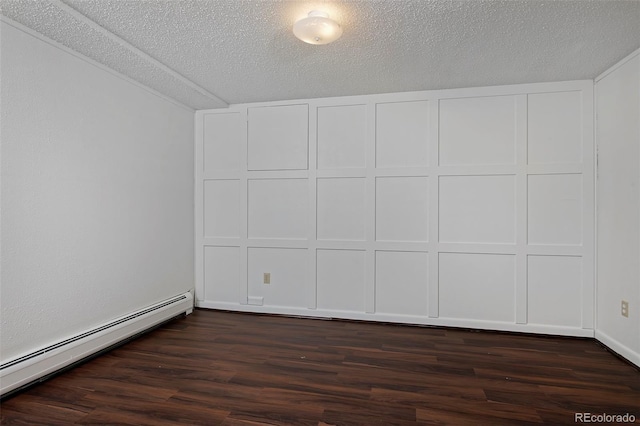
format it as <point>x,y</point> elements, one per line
<point>468,207</point>
<point>97,195</point>
<point>618,183</point>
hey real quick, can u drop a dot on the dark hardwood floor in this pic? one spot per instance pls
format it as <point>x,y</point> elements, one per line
<point>241,369</point>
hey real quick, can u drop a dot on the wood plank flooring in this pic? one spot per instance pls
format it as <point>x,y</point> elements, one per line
<point>222,368</point>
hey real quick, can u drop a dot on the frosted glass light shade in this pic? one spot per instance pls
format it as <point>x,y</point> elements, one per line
<point>317,28</point>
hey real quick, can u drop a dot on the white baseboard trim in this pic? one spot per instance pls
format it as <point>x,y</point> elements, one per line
<point>28,368</point>
<point>401,319</point>
<point>619,348</point>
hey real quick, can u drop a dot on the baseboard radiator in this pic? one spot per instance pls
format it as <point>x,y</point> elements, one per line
<point>37,365</point>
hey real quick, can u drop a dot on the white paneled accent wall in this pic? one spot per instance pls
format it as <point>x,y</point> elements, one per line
<point>467,207</point>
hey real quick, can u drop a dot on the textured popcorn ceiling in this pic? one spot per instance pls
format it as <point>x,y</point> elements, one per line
<point>205,53</point>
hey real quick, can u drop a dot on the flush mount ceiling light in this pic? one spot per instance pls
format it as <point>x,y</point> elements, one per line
<point>317,28</point>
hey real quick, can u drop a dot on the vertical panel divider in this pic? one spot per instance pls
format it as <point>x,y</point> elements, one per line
<point>588,208</point>
<point>434,178</point>
<point>312,282</point>
<point>521,142</point>
<point>243,274</point>
<point>198,197</point>
<point>370,208</point>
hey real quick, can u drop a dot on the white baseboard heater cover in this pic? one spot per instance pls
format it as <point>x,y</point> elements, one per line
<point>30,367</point>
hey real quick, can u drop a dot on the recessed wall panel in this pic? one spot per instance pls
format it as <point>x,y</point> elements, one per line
<point>401,282</point>
<point>341,280</point>
<point>222,139</point>
<point>342,132</point>
<point>402,209</point>
<point>221,274</point>
<point>402,134</point>
<point>287,269</point>
<point>477,131</point>
<point>555,209</point>
<point>278,208</point>
<point>555,128</point>
<point>278,138</point>
<point>222,208</point>
<point>477,286</point>
<point>341,209</point>
<point>477,209</point>
<point>554,290</point>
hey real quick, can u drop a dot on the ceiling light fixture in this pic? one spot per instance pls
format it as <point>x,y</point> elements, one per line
<point>317,28</point>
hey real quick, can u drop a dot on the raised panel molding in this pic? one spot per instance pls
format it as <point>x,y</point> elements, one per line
<point>278,137</point>
<point>555,209</point>
<point>287,269</point>
<point>277,208</point>
<point>341,207</point>
<point>477,209</point>
<point>402,208</point>
<point>402,132</point>
<point>221,273</point>
<point>467,278</point>
<point>466,207</point>
<point>487,136</point>
<point>341,280</point>
<point>401,282</point>
<point>222,208</point>
<point>222,140</point>
<point>555,128</point>
<point>554,282</point>
<point>342,133</point>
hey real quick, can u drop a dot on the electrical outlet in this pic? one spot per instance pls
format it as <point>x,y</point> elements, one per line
<point>624,308</point>
<point>266,278</point>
